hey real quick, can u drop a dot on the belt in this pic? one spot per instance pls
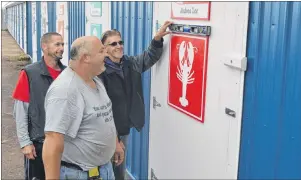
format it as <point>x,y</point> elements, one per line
<point>71,165</point>
<point>77,167</point>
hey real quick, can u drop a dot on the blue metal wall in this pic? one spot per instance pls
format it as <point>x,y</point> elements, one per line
<point>22,25</point>
<point>76,20</point>
<point>29,27</point>
<point>15,22</point>
<point>18,23</point>
<point>134,21</point>
<point>271,131</point>
<point>39,29</point>
<point>51,9</point>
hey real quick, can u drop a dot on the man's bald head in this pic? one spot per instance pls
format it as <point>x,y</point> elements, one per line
<point>83,45</point>
<point>88,54</point>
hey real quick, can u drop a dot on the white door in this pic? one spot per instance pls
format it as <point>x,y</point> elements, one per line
<point>181,146</point>
<point>62,27</point>
<point>97,18</point>
<point>44,17</point>
<point>34,32</point>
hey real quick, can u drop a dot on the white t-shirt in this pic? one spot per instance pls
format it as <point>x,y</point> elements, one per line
<point>84,115</point>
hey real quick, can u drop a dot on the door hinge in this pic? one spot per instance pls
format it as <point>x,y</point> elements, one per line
<point>153,176</point>
<point>155,103</point>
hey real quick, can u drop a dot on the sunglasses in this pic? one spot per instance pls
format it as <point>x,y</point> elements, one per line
<point>115,43</point>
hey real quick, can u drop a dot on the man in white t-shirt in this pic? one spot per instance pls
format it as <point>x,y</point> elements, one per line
<point>80,131</point>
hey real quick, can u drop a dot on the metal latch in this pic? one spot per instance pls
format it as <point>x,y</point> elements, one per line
<point>236,62</point>
<point>155,103</point>
<point>230,112</point>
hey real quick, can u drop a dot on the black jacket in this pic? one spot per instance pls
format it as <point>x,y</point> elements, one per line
<point>123,83</point>
<point>39,81</point>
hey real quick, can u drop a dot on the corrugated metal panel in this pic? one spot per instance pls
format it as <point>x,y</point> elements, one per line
<point>39,30</point>
<point>76,20</point>
<point>25,34</point>
<point>22,26</point>
<point>14,19</point>
<point>12,22</point>
<point>15,24</point>
<point>13,4</point>
<point>3,19</point>
<point>134,21</point>
<point>271,136</point>
<point>18,24</point>
<point>8,23</point>
<point>29,28</point>
<point>51,8</point>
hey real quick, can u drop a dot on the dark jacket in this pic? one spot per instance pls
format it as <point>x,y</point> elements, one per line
<point>123,83</point>
<point>39,81</point>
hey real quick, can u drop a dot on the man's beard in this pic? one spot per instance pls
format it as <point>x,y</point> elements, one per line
<point>56,58</point>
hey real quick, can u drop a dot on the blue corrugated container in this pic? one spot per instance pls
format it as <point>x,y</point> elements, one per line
<point>14,21</point>
<point>76,20</point>
<point>22,25</point>
<point>29,27</point>
<point>51,9</point>
<point>271,138</point>
<point>134,21</point>
<point>39,30</point>
<point>19,24</point>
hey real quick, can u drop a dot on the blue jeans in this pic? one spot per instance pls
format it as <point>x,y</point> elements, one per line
<point>106,173</point>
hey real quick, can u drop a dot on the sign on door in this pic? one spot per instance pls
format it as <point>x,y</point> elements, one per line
<point>187,74</point>
<point>95,9</point>
<point>96,30</point>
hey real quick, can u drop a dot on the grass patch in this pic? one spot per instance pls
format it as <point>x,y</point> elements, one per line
<point>21,57</point>
<point>24,57</point>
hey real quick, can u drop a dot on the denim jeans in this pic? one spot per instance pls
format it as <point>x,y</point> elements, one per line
<point>106,173</point>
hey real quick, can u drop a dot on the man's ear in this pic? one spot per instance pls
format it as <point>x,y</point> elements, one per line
<point>85,58</point>
<point>44,46</point>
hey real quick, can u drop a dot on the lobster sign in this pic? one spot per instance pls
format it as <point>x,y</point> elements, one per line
<point>187,74</point>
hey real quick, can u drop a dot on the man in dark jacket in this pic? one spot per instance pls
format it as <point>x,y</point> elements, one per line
<point>123,82</point>
<point>29,95</point>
